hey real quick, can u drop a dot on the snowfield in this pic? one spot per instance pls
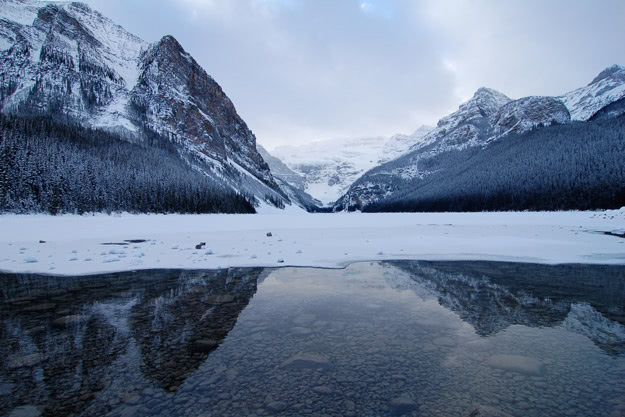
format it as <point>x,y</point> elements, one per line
<point>75,245</point>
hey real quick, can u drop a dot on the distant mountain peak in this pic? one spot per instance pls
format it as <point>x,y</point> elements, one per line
<point>484,103</point>
<point>614,70</point>
<point>170,41</point>
<point>486,91</point>
<point>607,88</point>
<point>492,96</point>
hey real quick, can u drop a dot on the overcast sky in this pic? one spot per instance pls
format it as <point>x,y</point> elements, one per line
<point>304,70</point>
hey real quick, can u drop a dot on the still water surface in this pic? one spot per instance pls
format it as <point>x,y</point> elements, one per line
<point>374,339</point>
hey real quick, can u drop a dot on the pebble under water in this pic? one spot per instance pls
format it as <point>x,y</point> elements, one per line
<point>375,339</point>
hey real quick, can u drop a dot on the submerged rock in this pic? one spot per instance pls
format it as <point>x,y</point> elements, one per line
<point>322,390</point>
<point>22,361</point>
<point>477,410</point>
<point>275,406</point>
<point>67,321</point>
<point>402,405</point>
<point>25,411</point>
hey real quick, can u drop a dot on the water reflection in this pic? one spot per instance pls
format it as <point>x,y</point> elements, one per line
<point>64,340</point>
<point>588,299</point>
<point>391,338</point>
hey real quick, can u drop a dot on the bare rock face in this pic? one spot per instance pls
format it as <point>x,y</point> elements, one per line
<point>177,98</point>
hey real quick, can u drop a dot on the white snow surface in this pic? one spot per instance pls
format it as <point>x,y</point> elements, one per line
<point>74,245</point>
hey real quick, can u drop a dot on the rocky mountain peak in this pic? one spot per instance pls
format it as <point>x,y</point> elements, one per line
<point>488,99</point>
<point>605,89</point>
<point>484,103</point>
<point>615,71</point>
<point>170,44</point>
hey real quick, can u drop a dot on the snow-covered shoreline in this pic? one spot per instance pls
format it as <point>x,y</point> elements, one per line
<point>78,245</point>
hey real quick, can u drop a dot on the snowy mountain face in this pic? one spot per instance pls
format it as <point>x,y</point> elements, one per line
<point>68,61</point>
<point>525,114</point>
<point>486,117</point>
<point>280,170</point>
<point>467,127</point>
<point>606,88</point>
<point>290,182</point>
<point>399,144</point>
<point>328,168</point>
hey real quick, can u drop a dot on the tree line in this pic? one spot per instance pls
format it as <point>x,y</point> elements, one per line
<point>50,167</point>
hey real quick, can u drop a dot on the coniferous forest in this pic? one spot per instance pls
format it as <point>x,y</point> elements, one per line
<point>562,167</point>
<point>55,168</point>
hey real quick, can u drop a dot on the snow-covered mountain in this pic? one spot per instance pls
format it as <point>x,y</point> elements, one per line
<point>486,117</point>
<point>291,182</point>
<point>68,61</point>
<point>469,125</point>
<point>606,88</point>
<point>329,167</point>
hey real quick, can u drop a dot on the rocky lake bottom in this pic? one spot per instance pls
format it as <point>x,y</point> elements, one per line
<point>374,339</point>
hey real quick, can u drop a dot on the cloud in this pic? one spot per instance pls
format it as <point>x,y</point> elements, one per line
<point>301,70</point>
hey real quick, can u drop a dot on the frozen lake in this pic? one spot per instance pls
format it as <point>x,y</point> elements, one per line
<point>76,245</point>
<point>374,339</point>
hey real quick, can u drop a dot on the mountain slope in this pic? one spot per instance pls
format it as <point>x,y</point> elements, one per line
<point>469,126</point>
<point>68,61</point>
<point>575,166</point>
<point>485,119</point>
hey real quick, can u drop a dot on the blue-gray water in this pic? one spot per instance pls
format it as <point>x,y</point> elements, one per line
<point>374,339</point>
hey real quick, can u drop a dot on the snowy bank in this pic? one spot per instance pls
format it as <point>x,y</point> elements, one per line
<point>72,245</point>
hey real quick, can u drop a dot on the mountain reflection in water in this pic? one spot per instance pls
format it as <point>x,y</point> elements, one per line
<point>143,342</point>
<point>589,299</point>
<point>69,337</point>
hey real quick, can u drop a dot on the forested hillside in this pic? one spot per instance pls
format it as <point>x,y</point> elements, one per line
<point>59,168</point>
<point>562,167</point>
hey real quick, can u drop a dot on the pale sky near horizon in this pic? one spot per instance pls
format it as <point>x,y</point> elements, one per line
<point>306,70</point>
